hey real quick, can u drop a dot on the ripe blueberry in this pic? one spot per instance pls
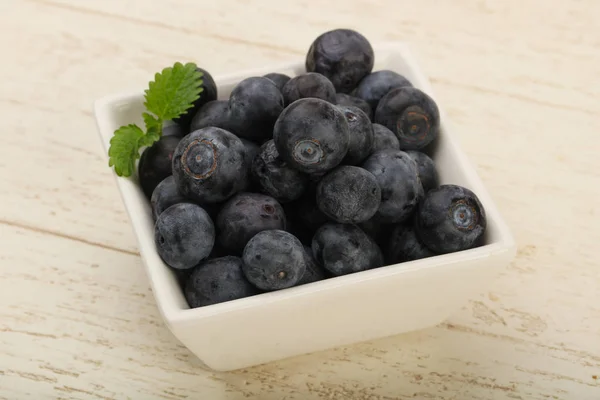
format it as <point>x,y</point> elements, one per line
<point>426,168</point>
<point>404,245</point>
<point>312,135</point>
<point>209,93</point>
<point>343,99</point>
<point>155,163</point>
<point>278,79</point>
<point>184,235</point>
<point>307,85</point>
<point>342,55</point>
<point>274,260</point>
<point>360,136</point>
<point>252,149</point>
<point>243,216</point>
<point>171,128</point>
<point>348,195</point>
<point>377,84</point>
<point>314,272</point>
<point>209,165</point>
<point>164,196</point>
<point>214,113</point>
<point>254,104</point>
<point>411,114</point>
<point>217,281</point>
<point>397,176</point>
<point>450,218</point>
<point>304,214</point>
<point>344,249</point>
<point>275,176</point>
<point>384,139</point>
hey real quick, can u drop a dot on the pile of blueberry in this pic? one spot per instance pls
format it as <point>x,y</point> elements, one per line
<point>295,180</point>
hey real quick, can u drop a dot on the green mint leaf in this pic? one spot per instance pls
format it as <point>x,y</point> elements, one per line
<point>153,130</point>
<point>173,91</point>
<point>124,149</point>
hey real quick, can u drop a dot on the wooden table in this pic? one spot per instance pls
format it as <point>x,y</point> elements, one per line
<point>519,78</point>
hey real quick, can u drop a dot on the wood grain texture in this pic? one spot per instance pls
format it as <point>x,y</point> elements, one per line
<point>520,81</point>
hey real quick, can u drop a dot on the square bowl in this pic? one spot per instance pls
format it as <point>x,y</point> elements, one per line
<point>334,312</point>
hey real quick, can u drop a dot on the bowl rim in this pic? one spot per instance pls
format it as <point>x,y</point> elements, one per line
<point>172,313</point>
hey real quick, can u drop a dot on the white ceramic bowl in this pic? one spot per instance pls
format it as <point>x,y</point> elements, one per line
<point>334,312</point>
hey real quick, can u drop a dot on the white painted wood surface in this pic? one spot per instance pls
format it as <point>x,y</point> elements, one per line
<point>519,78</point>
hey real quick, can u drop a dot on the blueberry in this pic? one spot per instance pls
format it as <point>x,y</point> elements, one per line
<point>384,139</point>
<point>171,128</point>
<point>308,85</point>
<point>251,148</point>
<point>360,140</point>
<point>214,113</point>
<point>155,163</point>
<point>426,168</point>
<point>377,84</point>
<point>275,176</point>
<point>404,245</point>
<point>348,195</point>
<point>450,218</point>
<point>343,99</point>
<point>344,249</point>
<point>312,135</point>
<point>164,196</point>
<point>217,281</point>
<point>397,176</point>
<point>184,235</point>
<point>304,215</point>
<point>411,114</point>
<point>278,79</point>
<point>209,165</point>
<point>342,55</point>
<point>274,260</point>
<point>377,229</point>
<point>244,215</point>
<point>314,272</point>
<point>209,93</point>
<point>255,103</point>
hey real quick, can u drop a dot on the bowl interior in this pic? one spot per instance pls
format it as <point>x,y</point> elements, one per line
<point>453,168</point>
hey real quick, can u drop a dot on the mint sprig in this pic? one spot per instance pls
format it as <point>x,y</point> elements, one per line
<point>171,94</point>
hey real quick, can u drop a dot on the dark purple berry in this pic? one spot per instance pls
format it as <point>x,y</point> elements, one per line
<point>343,99</point>
<point>274,260</point>
<point>254,104</point>
<point>451,218</point>
<point>411,114</point>
<point>377,84</point>
<point>403,245</point>
<point>342,55</point>
<point>348,195</point>
<point>155,163</point>
<point>278,79</point>
<point>312,135</point>
<point>344,249</point>
<point>426,168</point>
<point>360,135</point>
<point>244,215</point>
<point>384,139</point>
<point>209,165</point>
<point>308,85</point>
<point>401,189</point>
<point>164,196</point>
<point>275,177</point>
<point>184,235</point>
<point>217,281</point>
